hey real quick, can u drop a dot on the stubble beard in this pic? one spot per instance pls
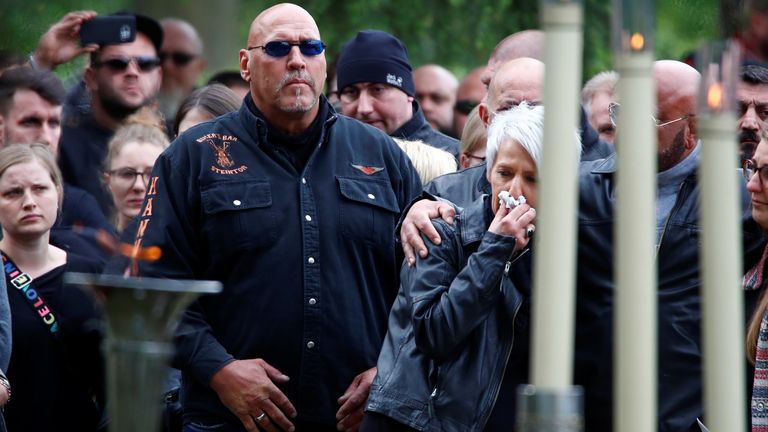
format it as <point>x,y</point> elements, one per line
<point>115,106</point>
<point>297,107</point>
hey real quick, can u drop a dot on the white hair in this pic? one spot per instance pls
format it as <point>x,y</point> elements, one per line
<point>603,82</point>
<point>523,124</point>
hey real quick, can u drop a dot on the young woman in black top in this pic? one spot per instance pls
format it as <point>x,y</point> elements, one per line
<point>56,365</point>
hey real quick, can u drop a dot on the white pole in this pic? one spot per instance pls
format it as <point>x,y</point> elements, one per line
<point>635,301</point>
<point>722,313</point>
<point>554,261</point>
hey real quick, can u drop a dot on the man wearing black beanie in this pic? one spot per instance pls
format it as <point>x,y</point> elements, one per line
<point>375,81</point>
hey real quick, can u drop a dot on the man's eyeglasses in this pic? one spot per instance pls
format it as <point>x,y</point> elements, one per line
<point>127,176</point>
<point>613,114</point>
<point>471,156</point>
<point>465,106</point>
<point>178,58</point>
<point>308,48</point>
<point>120,64</point>
<point>749,168</point>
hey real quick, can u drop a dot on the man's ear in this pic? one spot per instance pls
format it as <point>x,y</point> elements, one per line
<point>691,136</point>
<point>244,60</point>
<point>2,131</point>
<point>89,76</point>
<point>484,113</point>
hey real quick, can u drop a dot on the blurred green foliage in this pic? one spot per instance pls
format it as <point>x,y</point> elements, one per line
<point>458,34</point>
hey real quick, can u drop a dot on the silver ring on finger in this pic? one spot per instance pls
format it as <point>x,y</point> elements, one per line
<point>260,417</point>
<point>529,232</point>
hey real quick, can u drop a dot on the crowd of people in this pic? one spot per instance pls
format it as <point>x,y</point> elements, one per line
<point>373,225</point>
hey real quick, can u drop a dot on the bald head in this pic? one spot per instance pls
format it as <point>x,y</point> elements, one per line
<point>471,91</point>
<point>280,15</point>
<point>180,30</point>
<point>677,86</point>
<point>436,92</point>
<point>514,82</point>
<point>676,83</point>
<point>526,43</point>
<point>183,61</point>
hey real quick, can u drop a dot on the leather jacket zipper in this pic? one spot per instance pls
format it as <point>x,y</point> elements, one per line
<point>497,386</point>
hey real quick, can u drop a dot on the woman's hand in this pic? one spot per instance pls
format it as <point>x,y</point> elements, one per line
<point>517,223</point>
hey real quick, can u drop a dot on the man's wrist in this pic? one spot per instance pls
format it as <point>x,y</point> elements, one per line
<point>7,384</point>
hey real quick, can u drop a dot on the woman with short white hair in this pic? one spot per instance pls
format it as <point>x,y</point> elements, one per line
<point>457,344</point>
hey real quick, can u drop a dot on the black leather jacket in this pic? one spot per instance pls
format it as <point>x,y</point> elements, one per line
<point>679,282</point>
<point>452,329</point>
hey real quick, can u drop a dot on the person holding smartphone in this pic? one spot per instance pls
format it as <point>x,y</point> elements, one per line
<point>123,76</point>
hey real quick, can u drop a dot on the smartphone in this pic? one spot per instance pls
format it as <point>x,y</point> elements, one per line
<point>106,30</point>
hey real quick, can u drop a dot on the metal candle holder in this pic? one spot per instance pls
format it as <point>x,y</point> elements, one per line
<point>141,315</point>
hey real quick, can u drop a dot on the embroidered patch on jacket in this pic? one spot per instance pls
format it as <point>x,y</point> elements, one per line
<point>220,144</point>
<point>367,170</point>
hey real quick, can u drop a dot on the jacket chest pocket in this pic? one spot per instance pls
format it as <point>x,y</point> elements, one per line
<point>368,210</point>
<point>239,214</point>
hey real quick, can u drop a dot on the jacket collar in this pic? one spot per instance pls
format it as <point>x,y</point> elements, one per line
<point>605,166</point>
<point>475,219</point>
<point>414,125</point>
<point>254,122</point>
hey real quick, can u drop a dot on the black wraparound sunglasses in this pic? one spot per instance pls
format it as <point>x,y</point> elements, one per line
<point>119,64</point>
<point>309,48</point>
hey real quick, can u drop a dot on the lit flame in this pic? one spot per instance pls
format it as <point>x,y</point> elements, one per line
<point>636,42</point>
<point>715,96</point>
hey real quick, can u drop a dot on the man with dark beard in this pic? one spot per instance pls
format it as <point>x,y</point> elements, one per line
<point>753,108</point>
<point>120,79</point>
<point>293,208</point>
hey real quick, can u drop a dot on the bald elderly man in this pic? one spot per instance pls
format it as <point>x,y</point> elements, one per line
<point>281,203</point>
<point>469,94</point>
<point>436,92</point>
<point>183,63</point>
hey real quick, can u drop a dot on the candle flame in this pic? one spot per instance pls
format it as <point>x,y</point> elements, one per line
<point>715,96</point>
<point>637,42</point>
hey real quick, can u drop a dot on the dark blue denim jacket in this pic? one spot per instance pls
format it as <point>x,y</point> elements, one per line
<point>307,259</point>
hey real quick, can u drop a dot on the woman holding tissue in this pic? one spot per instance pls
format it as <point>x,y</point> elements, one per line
<point>457,344</point>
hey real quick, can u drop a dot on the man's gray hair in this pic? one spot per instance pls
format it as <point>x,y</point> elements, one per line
<point>523,124</point>
<point>603,82</point>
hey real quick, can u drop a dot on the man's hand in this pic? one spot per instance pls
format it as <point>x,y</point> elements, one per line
<point>350,415</point>
<point>419,219</point>
<point>247,388</point>
<point>61,43</point>
<point>3,396</point>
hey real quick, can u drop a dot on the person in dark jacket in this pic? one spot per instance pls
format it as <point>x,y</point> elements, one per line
<point>293,208</point>
<point>678,230</point>
<point>457,344</point>
<point>375,82</point>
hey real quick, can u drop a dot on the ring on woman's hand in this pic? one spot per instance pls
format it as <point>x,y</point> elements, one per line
<point>529,232</point>
<point>261,417</point>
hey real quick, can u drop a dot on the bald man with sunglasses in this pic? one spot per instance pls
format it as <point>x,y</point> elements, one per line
<point>183,63</point>
<point>293,208</point>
